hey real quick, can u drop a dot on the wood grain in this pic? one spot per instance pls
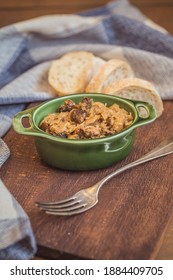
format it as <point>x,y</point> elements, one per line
<point>165,251</point>
<point>151,2</point>
<point>51,3</point>
<point>133,211</point>
<point>75,3</point>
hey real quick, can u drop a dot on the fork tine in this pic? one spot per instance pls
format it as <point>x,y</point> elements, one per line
<point>68,213</point>
<point>55,203</point>
<point>57,206</point>
<point>76,204</point>
<point>68,208</point>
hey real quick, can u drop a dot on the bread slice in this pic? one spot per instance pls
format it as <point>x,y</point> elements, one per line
<point>137,89</point>
<point>98,62</point>
<point>72,72</point>
<point>113,70</point>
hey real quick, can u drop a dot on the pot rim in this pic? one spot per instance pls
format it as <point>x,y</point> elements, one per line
<point>34,129</point>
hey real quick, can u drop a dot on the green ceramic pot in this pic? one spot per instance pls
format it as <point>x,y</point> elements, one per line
<point>83,154</point>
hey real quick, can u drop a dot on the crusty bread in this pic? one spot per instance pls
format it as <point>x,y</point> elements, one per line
<point>137,89</point>
<point>113,70</point>
<point>98,62</point>
<point>72,72</point>
<point>81,71</point>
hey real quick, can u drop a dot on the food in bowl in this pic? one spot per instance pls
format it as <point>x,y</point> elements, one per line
<point>82,154</point>
<point>86,120</point>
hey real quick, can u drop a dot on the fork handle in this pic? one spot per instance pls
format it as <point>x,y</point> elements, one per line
<point>163,149</point>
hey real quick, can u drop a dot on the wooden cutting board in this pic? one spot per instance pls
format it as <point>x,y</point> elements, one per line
<point>134,208</point>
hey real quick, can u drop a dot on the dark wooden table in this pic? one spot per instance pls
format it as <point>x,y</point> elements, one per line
<point>133,219</point>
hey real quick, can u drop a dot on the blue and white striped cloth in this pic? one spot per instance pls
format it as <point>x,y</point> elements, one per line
<point>16,238</point>
<point>117,30</point>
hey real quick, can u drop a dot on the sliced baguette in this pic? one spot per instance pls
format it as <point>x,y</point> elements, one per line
<point>113,70</point>
<point>137,89</point>
<point>72,72</point>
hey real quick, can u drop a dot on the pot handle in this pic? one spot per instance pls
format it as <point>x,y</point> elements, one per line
<point>18,122</point>
<point>144,118</point>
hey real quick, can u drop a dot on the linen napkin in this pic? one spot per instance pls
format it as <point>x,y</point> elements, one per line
<point>16,237</point>
<point>116,30</point>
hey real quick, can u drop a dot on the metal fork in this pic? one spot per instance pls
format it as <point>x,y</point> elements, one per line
<point>87,198</point>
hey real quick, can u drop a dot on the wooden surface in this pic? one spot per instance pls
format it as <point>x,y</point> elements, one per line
<point>133,211</point>
<point>133,219</point>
